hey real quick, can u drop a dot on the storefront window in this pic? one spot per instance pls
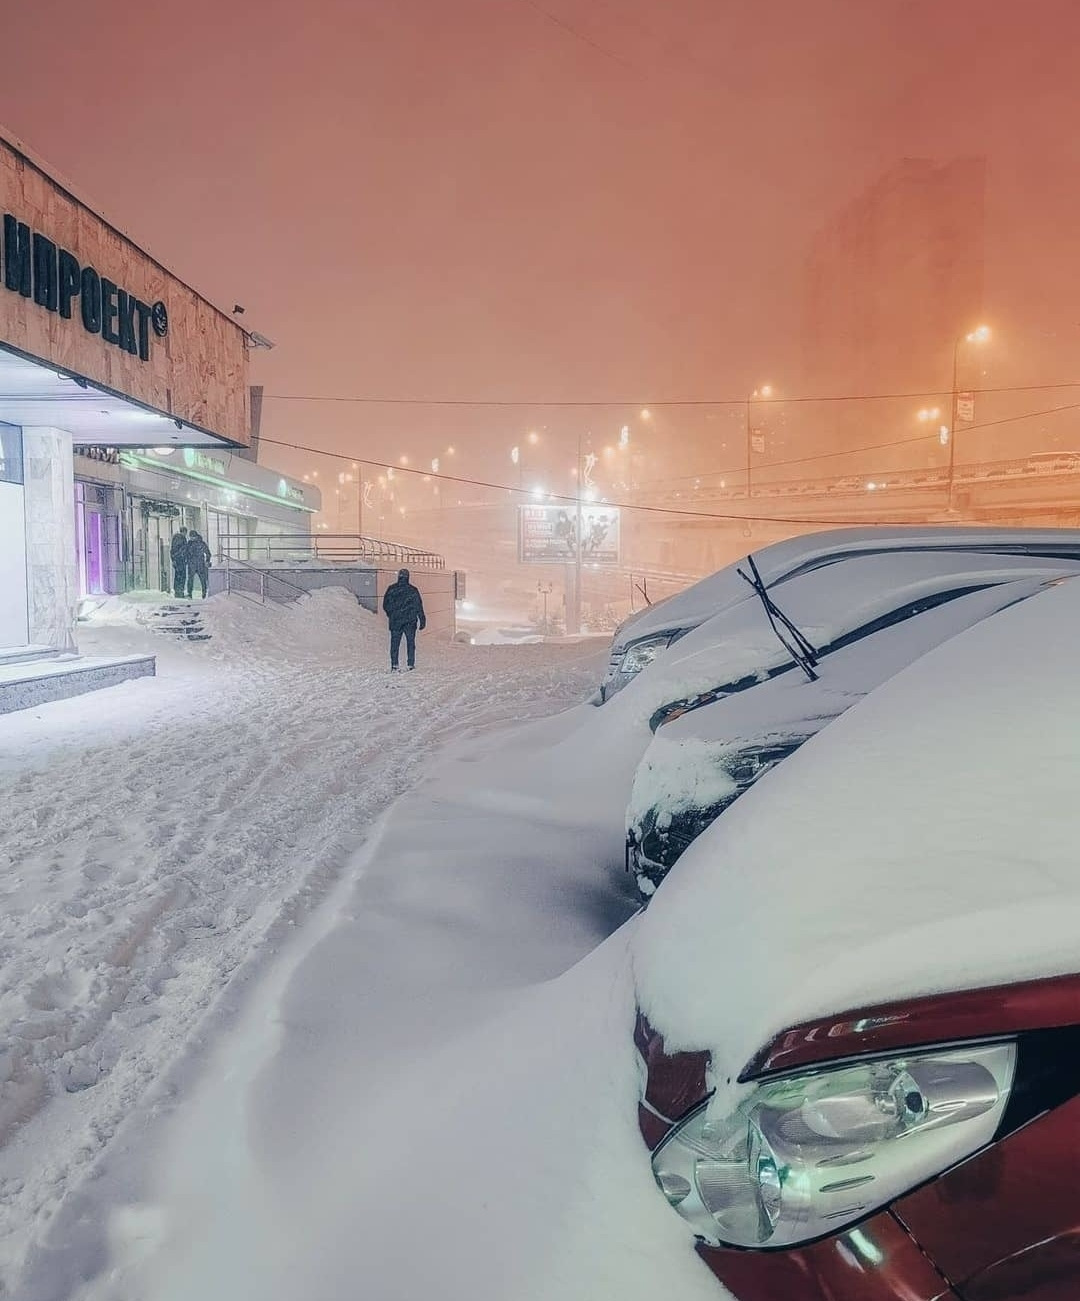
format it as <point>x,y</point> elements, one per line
<point>11,457</point>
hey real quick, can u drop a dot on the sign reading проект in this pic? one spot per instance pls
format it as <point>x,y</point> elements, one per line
<point>37,268</point>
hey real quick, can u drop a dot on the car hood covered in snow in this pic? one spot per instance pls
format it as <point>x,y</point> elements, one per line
<point>925,841</point>
<point>683,764</point>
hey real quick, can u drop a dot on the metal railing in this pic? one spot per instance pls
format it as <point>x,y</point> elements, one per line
<point>244,579</point>
<point>332,548</point>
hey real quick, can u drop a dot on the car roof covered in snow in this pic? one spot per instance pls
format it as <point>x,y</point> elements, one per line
<point>776,562</point>
<point>925,841</point>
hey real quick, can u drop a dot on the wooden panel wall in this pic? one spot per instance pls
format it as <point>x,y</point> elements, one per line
<point>197,372</point>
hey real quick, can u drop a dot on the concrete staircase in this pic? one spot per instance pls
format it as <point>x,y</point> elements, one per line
<point>180,620</point>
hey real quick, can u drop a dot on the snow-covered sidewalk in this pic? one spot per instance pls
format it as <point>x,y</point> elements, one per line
<point>162,839</point>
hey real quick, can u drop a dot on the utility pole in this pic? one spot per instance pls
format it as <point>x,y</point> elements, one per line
<point>980,334</point>
<point>359,503</point>
<point>576,624</point>
<point>764,392</point>
<point>545,590</point>
<point>749,401</point>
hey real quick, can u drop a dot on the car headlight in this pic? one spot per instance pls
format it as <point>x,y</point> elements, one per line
<point>642,653</point>
<point>806,1155</point>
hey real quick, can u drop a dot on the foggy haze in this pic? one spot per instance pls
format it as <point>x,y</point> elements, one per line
<point>604,201</point>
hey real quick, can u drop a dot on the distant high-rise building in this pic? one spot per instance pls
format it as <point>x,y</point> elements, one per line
<point>891,282</point>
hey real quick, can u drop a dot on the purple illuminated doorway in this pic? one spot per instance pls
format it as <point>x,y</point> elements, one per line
<point>90,535</point>
<point>95,552</point>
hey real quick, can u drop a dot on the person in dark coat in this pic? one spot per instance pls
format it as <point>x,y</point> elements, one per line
<point>405,612</point>
<point>198,562</point>
<point>178,556</point>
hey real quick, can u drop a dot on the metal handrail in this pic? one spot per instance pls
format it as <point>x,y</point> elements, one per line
<point>338,548</point>
<point>246,567</point>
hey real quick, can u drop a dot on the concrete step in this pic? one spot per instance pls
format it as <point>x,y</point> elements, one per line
<point>179,620</point>
<point>25,654</point>
<point>43,680</point>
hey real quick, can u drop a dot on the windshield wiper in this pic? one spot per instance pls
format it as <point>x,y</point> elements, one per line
<point>800,648</point>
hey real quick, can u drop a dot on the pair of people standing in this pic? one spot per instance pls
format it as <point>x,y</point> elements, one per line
<point>190,558</point>
<point>404,610</point>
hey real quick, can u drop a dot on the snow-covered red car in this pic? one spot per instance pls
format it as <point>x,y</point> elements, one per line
<point>859,995</point>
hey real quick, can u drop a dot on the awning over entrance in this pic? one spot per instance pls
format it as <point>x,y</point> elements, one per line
<point>31,394</point>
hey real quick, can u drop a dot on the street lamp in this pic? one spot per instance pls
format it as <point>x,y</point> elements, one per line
<point>759,394</point>
<point>980,334</point>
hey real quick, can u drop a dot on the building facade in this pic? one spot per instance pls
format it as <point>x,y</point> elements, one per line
<point>100,347</point>
<point>891,282</point>
<point>130,502</point>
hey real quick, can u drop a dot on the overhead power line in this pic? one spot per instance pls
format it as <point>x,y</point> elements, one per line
<point>712,474</point>
<point>654,403</point>
<point>875,447</point>
<point>571,498</point>
<point>577,35</point>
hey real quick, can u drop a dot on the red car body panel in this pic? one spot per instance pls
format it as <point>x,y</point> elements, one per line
<point>968,1014</point>
<point>1002,1226</point>
<point>674,1082</point>
<point>1007,1223</point>
<point>880,1263</point>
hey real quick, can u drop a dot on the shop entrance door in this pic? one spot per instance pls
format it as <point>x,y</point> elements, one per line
<point>95,553</point>
<point>13,625</point>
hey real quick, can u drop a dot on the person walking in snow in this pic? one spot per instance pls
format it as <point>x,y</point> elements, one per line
<point>178,556</point>
<point>198,562</point>
<point>404,611</point>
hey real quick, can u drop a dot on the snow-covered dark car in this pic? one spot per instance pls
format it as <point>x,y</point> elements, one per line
<point>708,750</point>
<point>647,634</point>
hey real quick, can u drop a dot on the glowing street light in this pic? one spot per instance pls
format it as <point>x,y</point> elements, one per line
<point>929,413</point>
<point>534,437</point>
<point>646,414</point>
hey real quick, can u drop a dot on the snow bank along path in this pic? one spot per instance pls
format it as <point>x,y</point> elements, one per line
<point>158,839</point>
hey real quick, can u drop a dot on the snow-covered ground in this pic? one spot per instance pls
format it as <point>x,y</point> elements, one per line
<point>316,981</point>
<point>165,842</point>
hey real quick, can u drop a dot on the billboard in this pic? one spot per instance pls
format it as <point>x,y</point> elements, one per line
<point>547,535</point>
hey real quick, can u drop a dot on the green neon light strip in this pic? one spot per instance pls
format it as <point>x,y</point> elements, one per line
<point>133,458</point>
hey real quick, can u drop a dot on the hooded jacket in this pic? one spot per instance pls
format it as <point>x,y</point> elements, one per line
<point>402,605</point>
